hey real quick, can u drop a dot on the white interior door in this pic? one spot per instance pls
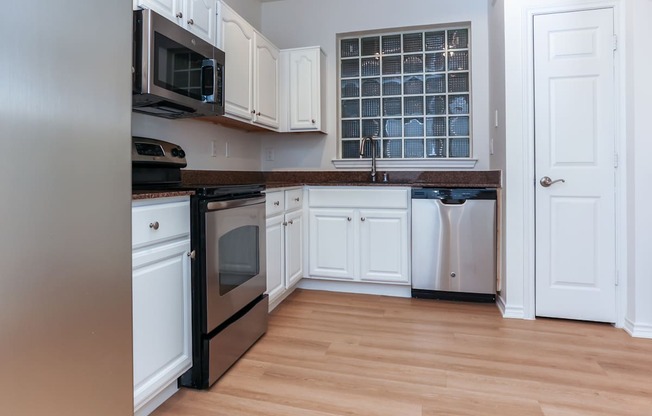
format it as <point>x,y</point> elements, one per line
<point>574,144</point>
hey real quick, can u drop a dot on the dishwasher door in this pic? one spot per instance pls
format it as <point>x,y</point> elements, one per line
<point>454,245</point>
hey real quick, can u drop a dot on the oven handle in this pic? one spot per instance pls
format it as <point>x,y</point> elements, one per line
<point>234,203</point>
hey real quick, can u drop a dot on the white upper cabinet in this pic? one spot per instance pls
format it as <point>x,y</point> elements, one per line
<point>266,79</point>
<point>252,70</point>
<point>236,39</point>
<point>196,16</point>
<point>303,72</point>
<point>200,18</point>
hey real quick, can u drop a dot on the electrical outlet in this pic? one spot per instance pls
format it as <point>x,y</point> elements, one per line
<point>269,154</point>
<point>214,148</point>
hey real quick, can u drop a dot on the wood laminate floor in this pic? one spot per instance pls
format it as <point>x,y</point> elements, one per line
<point>344,354</point>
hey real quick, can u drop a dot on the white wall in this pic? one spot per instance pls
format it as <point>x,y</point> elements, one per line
<point>196,137</point>
<point>639,168</point>
<point>295,23</point>
<point>496,127</point>
<point>250,10</point>
<point>634,142</point>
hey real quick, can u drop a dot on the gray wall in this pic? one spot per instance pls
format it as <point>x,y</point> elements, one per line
<point>65,233</point>
<point>295,23</point>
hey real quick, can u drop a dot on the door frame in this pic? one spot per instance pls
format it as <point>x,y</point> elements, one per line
<point>529,181</point>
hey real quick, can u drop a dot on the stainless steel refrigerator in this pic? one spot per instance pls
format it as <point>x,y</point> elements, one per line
<point>65,224</point>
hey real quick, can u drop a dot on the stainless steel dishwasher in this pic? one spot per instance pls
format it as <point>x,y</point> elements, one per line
<point>454,244</point>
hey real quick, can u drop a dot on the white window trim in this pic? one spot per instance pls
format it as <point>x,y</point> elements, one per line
<point>406,164</point>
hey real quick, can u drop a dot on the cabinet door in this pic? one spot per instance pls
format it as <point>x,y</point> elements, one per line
<point>170,9</point>
<point>238,44</point>
<point>384,246</point>
<point>275,257</point>
<point>161,317</point>
<point>305,89</point>
<point>293,247</point>
<point>200,18</point>
<point>332,246</point>
<point>266,81</point>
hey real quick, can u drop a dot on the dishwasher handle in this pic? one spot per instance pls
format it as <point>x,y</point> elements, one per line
<point>452,201</point>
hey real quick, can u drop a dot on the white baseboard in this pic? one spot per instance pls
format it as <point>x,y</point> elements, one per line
<point>157,400</point>
<point>638,330</point>
<point>401,291</point>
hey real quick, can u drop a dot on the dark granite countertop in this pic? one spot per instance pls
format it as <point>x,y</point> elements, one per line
<point>278,179</point>
<point>284,179</point>
<point>151,194</point>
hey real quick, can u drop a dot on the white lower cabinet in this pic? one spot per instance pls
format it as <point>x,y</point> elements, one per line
<point>284,243</point>
<point>161,299</point>
<point>359,234</point>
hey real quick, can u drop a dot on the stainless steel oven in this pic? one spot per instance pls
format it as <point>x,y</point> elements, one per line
<point>230,308</point>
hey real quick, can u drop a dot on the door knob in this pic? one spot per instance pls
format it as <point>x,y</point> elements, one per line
<point>546,181</point>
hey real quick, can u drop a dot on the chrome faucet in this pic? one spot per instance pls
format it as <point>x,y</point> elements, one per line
<point>372,140</point>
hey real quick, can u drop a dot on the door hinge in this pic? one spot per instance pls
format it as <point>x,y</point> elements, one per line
<point>615,42</point>
<point>615,160</point>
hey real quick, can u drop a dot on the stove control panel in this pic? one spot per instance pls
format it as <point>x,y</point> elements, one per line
<point>156,152</point>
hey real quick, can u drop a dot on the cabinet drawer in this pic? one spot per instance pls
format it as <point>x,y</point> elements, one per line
<point>359,197</point>
<point>293,199</point>
<point>274,203</point>
<point>154,222</point>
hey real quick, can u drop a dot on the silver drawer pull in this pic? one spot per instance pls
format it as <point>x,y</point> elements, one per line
<point>362,219</point>
<point>277,203</point>
<point>348,218</point>
<point>154,225</point>
<point>290,222</point>
<point>296,199</point>
<point>285,223</point>
<point>191,254</point>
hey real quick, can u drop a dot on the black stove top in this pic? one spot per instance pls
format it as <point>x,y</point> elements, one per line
<point>226,191</point>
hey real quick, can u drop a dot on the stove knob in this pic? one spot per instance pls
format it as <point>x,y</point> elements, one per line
<point>175,152</point>
<point>182,154</point>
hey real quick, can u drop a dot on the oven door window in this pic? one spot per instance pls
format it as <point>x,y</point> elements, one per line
<point>239,257</point>
<point>178,68</point>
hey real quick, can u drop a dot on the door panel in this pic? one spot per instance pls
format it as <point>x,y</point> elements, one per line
<point>332,248</point>
<point>574,141</point>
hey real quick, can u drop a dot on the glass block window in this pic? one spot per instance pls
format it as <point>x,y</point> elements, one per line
<point>410,90</point>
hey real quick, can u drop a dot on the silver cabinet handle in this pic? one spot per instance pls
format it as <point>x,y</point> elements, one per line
<point>348,218</point>
<point>290,222</point>
<point>362,219</point>
<point>191,254</point>
<point>191,22</point>
<point>154,225</point>
<point>296,199</point>
<point>277,203</point>
<point>179,15</point>
<point>313,121</point>
<point>546,181</point>
<point>285,223</point>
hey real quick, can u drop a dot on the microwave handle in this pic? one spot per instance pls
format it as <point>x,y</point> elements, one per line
<point>208,66</point>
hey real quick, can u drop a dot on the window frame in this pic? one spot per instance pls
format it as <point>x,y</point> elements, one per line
<point>424,160</point>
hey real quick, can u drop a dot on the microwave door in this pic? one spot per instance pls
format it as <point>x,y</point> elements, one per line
<point>173,60</point>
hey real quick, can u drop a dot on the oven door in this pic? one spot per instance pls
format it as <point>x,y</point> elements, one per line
<point>235,257</point>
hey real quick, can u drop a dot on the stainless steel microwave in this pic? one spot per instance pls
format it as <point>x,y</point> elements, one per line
<point>175,73</point>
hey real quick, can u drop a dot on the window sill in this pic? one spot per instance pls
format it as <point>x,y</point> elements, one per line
<point>406,164</point>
